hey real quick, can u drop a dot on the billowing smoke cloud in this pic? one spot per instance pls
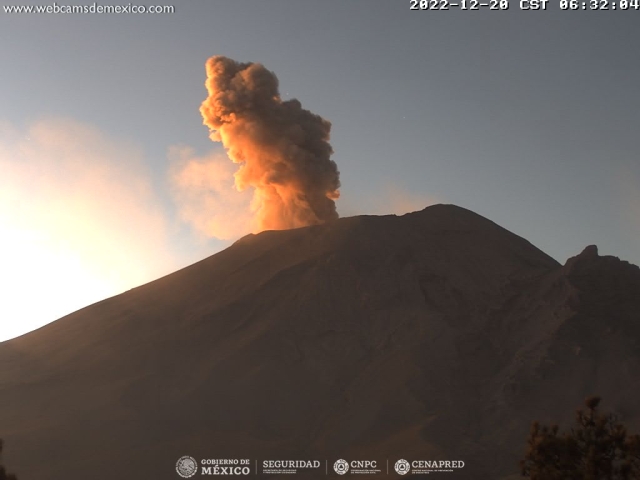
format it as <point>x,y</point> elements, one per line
<point>283,149</point>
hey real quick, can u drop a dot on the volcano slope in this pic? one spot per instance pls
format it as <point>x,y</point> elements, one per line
<point>435,335</point>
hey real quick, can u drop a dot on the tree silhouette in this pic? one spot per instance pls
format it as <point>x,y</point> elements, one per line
<point>597,448</point>
<point>3,473</point>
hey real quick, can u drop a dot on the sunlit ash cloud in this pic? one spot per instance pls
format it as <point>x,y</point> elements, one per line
<point>283,150</point>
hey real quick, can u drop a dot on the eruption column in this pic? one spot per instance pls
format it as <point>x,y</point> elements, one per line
<point>283,150</point>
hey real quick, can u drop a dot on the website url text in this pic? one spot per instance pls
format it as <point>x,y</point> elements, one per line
<point>93,8</point>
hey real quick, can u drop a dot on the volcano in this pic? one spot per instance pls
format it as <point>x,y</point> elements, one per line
<point>433,335</point>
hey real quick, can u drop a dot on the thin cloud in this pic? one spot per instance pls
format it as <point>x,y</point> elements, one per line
<point>400,201</point>
<point>204,191</point>
<point>389,199</point>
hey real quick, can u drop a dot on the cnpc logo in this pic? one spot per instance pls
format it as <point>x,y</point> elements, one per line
<point>341,466</point>
<point>356,466</point>
<point>363,464</point>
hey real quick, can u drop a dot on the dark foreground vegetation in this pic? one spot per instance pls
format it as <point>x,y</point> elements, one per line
<point>598,447</point>
<point>3,472</point>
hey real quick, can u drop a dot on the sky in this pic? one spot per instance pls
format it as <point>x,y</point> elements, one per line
<point>108,176</point>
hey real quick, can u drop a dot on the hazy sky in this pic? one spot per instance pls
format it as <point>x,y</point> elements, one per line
<point>529,118</point>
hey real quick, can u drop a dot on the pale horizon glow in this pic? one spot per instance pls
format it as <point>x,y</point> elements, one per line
<point>78,223</point>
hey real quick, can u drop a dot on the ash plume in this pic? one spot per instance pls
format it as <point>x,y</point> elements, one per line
<point>283,150</point>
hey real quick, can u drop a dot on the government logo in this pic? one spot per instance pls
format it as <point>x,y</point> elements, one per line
<point>341,467</point>
<point>187,466</point>
<point>402,466</point>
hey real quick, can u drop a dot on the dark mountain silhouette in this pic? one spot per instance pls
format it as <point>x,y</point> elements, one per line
<point>434,335</point>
